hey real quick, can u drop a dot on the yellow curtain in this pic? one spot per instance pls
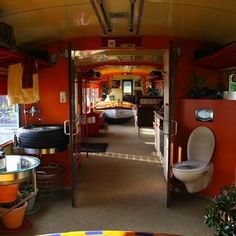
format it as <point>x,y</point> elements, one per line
<point>16,93</point>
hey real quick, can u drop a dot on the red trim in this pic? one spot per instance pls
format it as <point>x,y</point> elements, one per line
<point>8,143</point>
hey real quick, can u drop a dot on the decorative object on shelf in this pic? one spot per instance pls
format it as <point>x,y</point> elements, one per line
<point>232,82</point>
<point>197,86</point>
<point>229,95</point>
<point>221,213</point>
<point>14,218</point>
<point>115,83</point>
<point>199,91</point>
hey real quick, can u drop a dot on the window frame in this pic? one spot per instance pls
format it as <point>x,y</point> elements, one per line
<point>14,128</point>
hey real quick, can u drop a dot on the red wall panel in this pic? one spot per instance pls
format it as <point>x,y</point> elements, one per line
<point>3,86</point>
<point>224,129</point>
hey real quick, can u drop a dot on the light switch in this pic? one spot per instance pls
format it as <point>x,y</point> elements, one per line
<point>62,97</point>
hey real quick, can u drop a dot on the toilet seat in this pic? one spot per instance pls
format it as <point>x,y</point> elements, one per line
<point>196,172</point>
<point>189,166</point>
<point>201,144</point>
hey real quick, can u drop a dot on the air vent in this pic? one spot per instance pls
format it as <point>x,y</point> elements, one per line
<point>119,15</point>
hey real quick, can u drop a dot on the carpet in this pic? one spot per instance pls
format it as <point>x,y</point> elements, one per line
<point>93,147</point>
<point>108,233</point>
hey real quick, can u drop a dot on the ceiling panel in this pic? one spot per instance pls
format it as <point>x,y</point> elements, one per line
<point>45,22</point>
<point>38,22</point>
<point>209,21</point>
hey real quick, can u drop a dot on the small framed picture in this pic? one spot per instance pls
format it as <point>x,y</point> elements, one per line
<point>115,83</point>
<point>137,83</point>
<point>232,82</point>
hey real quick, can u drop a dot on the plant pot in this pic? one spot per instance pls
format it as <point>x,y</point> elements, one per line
<point>14,218</point>
<point>8,193</point>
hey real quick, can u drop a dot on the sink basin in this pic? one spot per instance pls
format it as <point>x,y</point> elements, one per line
<point>42,137</point>
<point>41,128</point>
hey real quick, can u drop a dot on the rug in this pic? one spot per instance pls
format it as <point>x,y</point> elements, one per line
<point>108,233</point>
<point>93,147</point>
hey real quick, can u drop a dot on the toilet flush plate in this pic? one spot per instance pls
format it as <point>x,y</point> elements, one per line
<point>205,115</point>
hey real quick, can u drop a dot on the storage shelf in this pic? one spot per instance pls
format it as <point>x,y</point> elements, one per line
<point>220,59</point>
<point>9,57</point>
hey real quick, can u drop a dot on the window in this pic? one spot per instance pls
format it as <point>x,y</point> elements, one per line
<point>9,120</point>
<point>127,87</point>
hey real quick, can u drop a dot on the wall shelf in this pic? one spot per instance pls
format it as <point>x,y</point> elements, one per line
<point>220,59</point>
<point>8,57</point>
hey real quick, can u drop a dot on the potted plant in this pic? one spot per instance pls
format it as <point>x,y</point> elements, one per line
<point>15,213</point>
<point>197,90</point>
<point>221,213</point>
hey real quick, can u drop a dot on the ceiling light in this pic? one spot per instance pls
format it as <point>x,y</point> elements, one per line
<point>131,16</point>
<point>105,16</point>
<point>140,12</point>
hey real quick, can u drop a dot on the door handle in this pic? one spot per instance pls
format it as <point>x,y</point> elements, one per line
<point>75,130</point>
<point>65,126</point>
<point>175,127</point>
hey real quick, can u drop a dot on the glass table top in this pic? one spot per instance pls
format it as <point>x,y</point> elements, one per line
<point>19,163</point>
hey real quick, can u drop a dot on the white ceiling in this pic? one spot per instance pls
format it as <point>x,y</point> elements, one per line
<point>37,22</point>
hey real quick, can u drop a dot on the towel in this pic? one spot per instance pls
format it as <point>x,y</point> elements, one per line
<point>17,94</point>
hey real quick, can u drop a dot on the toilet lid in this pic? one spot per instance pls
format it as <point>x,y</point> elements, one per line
<point>201,144</point>
<point>189,165</point>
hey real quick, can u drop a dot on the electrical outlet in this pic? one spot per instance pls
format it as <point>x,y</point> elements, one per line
<point>62,97</point>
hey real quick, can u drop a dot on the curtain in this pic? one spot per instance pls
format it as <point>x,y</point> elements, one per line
<point>15,92</point>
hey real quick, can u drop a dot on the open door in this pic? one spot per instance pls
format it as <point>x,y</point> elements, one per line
<point>75,88</point>
<point>168,130</point>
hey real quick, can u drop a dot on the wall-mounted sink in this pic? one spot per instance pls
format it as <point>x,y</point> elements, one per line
<point>42,137</point>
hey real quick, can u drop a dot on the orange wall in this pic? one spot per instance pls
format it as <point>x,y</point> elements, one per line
<point>224,129</point>
<point>184,114</point>
<point>51,81</point>
<point>55,79</point>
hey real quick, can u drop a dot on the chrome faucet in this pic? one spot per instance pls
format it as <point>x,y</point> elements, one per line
<point>33,111</point>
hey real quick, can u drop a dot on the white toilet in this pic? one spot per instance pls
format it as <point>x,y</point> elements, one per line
<point>196,173</point>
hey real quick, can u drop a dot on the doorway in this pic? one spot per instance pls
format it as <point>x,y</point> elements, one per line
<point>111,69</point>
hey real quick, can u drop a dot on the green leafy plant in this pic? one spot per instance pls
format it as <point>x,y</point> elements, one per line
<point>197,90</point>
<point>221,213</point>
